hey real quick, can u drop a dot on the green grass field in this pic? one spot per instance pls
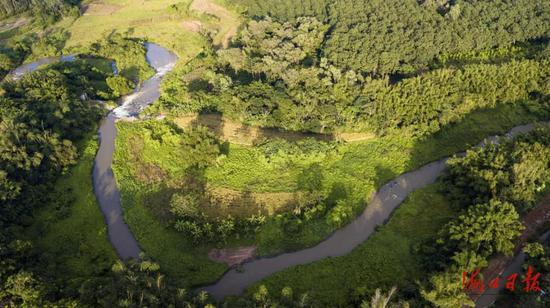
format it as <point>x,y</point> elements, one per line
<point>150,20</point>
<point>389,257</point>
<point>186,262</point>
<point>73,238</point>
<point>184,31</point>
<point>148,165</point>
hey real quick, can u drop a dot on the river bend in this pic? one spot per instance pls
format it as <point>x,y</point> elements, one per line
<point>234,282</point>
<point>344,240</point>
<point>105,187</point>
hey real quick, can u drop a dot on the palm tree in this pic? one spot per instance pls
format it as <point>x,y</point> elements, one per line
<point>379,300</point>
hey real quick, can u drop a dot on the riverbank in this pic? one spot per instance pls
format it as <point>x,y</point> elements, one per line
<point>105,188</point>
<point>346,239</point>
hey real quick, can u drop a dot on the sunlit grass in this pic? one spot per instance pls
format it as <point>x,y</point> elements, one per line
<point>360,167</point>
<point>145,19</point>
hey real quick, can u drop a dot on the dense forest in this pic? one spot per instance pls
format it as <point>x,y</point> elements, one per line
<point>55,8</point>
<point>492,186</point>
<point>411,81</point>
<point>44,12</point>
<point>286,10</point>
<point>274,77</point>
<point>42,119</point>
<point>385,37</point>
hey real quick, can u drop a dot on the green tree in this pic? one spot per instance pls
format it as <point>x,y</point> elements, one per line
<point>446,291</point>
<point>534,250</point>
<point>184,205</point>
<point>487,228</point>
<point>200,146</point>
<point>120,85</point>
<point>22,289</point>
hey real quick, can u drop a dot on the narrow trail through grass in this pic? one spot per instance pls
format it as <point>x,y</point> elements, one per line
<point>229,21</point>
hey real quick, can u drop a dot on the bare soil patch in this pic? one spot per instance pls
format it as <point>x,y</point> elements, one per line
<point>192,25</point>
<point>226,18</point>
<point>99,8</point>
<point>232,256</point>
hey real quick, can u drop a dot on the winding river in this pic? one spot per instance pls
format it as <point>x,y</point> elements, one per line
<point>32,66</point>
<point>344,240</point>
<point>234,282</point>
<point>105,187</point>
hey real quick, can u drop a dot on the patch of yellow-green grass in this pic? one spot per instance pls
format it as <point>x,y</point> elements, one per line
<point>70,231</point>
<point>150,19</point>
<point>228,20</point>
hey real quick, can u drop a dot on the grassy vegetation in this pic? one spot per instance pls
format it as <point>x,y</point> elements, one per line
<point>146,19</point>
<point>70,231</point>
<point>152,20</point>
<point>300,190</point>
<point>145,203</point>
<point>184,26</point>
<point>149,167</point>
<point>388,257</point>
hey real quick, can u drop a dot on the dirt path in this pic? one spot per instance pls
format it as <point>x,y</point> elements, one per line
<point>229,21</point>
<point>7,26</point>
<point>502,266</point>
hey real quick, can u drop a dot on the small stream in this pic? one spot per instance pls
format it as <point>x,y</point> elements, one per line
<point>105,187</point>
<point>32,66</point>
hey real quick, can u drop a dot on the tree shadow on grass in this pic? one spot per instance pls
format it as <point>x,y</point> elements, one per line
<point>244,134</point>
<point>472,129</point>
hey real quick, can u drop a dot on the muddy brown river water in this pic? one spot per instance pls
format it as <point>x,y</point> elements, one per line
<point>234,282</point>
<point>344,240</point>
<point>105,187</point>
